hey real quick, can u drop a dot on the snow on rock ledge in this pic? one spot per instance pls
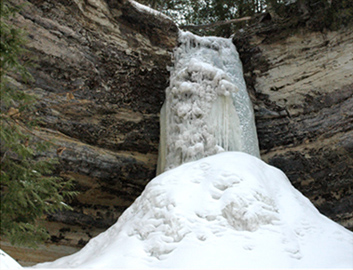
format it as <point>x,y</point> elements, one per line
<point>230,210</point>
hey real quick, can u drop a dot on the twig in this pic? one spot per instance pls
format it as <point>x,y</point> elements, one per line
<point>3,158</point>
<point>211,25</point>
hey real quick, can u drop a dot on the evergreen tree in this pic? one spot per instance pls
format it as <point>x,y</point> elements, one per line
<point>322,13</point>
<point>28,188</point>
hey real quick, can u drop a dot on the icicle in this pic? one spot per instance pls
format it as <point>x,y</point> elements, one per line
<point>207,108</point>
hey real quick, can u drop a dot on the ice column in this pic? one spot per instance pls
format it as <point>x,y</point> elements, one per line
<point>207,108</point>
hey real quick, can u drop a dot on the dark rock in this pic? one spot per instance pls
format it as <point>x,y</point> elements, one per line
<point>100,70</point>
<point>301,86</point>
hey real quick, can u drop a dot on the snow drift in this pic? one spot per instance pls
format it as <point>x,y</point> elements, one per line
<point>230,210</point>
<point>7,262</point>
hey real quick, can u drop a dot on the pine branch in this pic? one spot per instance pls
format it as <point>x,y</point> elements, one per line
<point>212,25</point>
<point>19,124</point>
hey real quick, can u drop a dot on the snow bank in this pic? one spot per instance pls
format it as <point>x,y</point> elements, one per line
<point>226,211</point>
<point>7,262</point>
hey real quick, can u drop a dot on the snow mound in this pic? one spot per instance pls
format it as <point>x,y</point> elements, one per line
<point>7,262</point>
<point>230,210</point>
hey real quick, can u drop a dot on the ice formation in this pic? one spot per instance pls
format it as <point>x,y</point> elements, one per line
<point>227,211</point>
<point>207,108</point>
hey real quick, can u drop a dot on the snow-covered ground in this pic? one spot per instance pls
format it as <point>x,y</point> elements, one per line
<point>6,262</point>
<point>226,211</point>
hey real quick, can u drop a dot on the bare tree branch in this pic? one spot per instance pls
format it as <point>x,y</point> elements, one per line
<point>211,25</point>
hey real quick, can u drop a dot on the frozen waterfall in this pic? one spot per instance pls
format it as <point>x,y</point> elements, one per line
<point>207,108</point>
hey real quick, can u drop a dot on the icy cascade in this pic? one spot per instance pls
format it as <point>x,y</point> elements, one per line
<point>207,108</point>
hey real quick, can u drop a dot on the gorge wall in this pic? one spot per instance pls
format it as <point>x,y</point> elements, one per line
<point>100,71</point>
<point>100,74</point>
<point>301,83</point>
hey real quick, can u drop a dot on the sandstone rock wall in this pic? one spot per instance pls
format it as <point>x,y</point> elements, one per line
<point>100,74</point>
<point>301,84</point>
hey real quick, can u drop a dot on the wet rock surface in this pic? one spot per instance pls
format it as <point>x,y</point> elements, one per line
<point>301,83</point>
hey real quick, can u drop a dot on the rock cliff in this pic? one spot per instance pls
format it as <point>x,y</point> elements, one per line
<point>301,83</point>
<point>100,70</point>
<point>100,74</point>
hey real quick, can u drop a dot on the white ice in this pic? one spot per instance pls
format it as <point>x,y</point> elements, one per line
<point>207,109</point>
<point>226,211</point>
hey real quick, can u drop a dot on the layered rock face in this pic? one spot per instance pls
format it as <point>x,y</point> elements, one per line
<point>302,88</point>
<point>100,74</point>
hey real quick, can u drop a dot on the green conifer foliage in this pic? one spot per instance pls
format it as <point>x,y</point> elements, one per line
<point>331,14</point>
<point>28,188</point>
